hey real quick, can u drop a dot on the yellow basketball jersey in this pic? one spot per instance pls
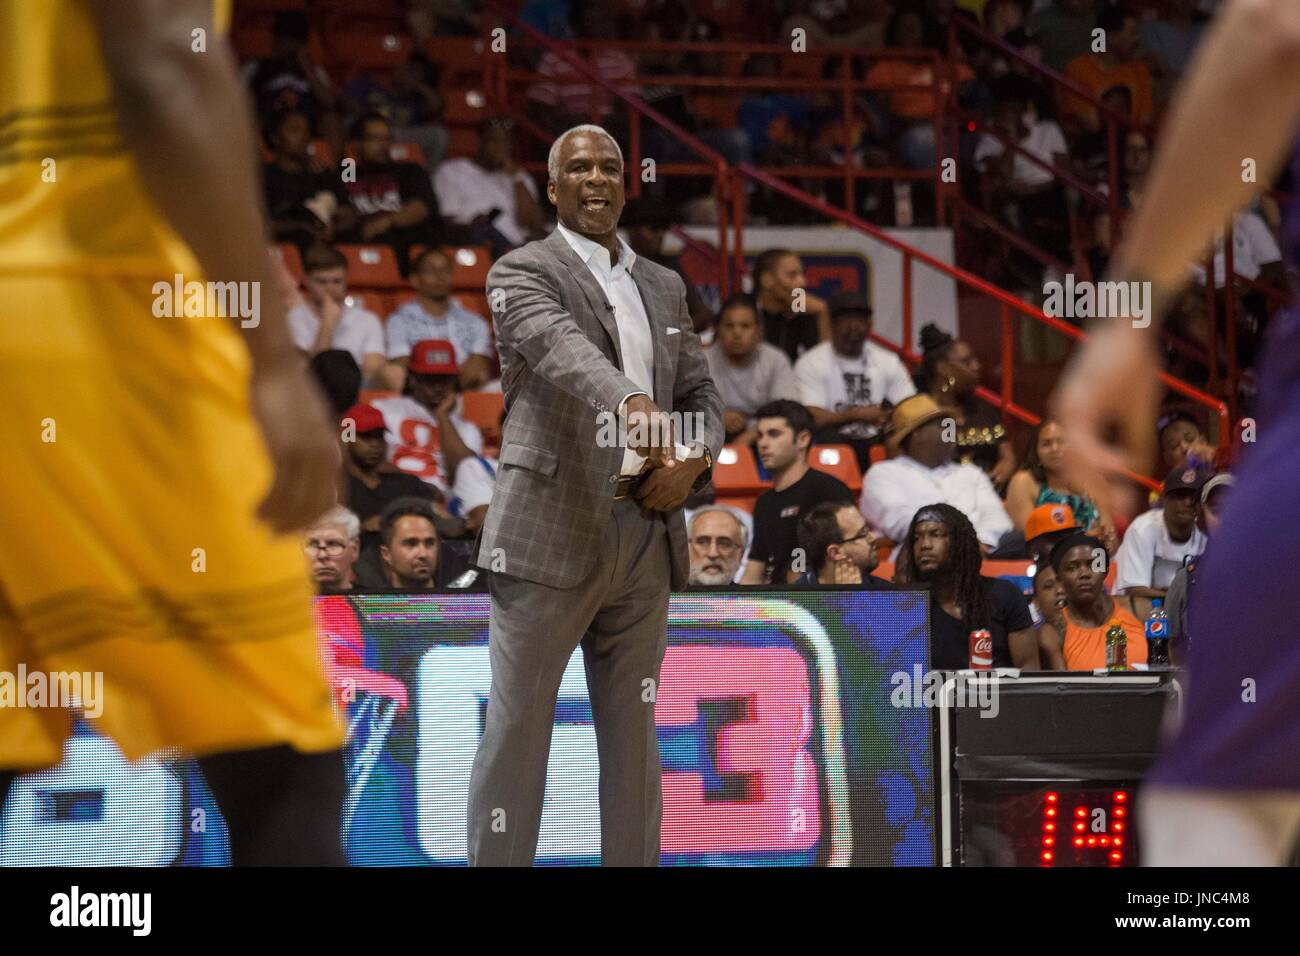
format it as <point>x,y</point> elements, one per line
<point>71,199</point>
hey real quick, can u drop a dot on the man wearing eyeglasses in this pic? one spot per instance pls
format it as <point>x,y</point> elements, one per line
<point>717,543</point>
<point>840,546</point>
<point>333,546</point>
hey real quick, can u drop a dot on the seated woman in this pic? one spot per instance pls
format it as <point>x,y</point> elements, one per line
<point>1041,481</point>
<point>950,373</point>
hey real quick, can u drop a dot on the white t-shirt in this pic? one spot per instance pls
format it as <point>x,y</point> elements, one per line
<point>359,332</point>
<point>1043,141</point>
<point>894,491</point>
<point>466,190</point>
<point>1148,557</point>
<point>1253,247</point>
<point>411,431</point>
<point>475,479</point>
<point>834,382</point>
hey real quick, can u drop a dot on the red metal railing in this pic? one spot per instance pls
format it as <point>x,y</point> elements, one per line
<point>730,187</point>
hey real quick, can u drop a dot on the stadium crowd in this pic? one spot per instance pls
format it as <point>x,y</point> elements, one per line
<point>941,496</point>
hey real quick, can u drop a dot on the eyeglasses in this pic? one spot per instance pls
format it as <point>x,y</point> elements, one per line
<point>860,536</point>
<point>725,545</point>
<point>331,548</point>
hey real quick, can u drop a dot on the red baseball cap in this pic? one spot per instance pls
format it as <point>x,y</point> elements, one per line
<point>366,418</point>
<point>433,357</point>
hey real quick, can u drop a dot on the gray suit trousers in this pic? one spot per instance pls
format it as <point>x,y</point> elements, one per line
<point>619,614</point>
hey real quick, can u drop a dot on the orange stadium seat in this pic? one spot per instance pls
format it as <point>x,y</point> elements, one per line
<point>464,107</point>
<point>372,267</point>
<point>367,50</point>
<point>471,265</point>
<point>291,258</point>
<point>483,409</point>
<point>407,153</point>
<point>735,473</point>
<point>476,302</point>
<point>370,301</point>
<point>838,461</point>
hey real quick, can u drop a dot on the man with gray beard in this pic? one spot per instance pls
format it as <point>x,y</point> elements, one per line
<point>718,540</point>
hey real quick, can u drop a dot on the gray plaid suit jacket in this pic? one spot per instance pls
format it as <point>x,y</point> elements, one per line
<point>560,368</point>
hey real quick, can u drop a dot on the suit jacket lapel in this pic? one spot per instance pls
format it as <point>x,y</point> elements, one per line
<point>657,308</point>
<point>590,288</point>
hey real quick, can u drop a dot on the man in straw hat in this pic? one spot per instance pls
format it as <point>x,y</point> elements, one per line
<point>922,441</point>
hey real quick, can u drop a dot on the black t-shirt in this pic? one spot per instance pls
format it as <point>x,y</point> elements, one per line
<point>777,513</point>
<point>383,187</point>
<point>795,335</point>
<point>286,192</point>
<point>950,641</point>
<point>365,502</point>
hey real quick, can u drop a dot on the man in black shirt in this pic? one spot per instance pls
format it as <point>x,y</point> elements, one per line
<point>305,203</point>
<point>395,201</point>
<point>371,486</point>
<point>941,550</point>
<point>793,318</point>
<point>784,436</point>
<point>840,547</point>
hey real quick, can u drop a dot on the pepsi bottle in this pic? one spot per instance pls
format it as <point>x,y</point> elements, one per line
<point>1157,633</point>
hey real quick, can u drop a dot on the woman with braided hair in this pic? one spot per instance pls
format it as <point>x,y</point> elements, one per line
<point>942,551</point>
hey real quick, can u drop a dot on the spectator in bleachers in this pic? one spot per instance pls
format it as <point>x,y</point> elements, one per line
<point>408,533</point>
<point>1157,542</point>
<point>939,547</point>
<point>437,314</point>
<point>304,199</point>
<point>950,373</point>
<point>1080,563</point>
<point>784,435</point>
<point>1119,65</point>
<point>839,546</point>
<point>427,19</point>
<point>1169,40</point>
<point>1046,525</point>
<point>1133,174</point>
<point>1049,598</point>
<point>373,484</point>
<point>1041,481</point>
<point>409,100</point>
<point>339,377</point>
<point>289,79</point>
<point>717,544</point>
<point>925,472</point>
<point>748,372</point>
<point>1255,253</point>
<point>488,199</point>
<point>842,23</point>
<point>778,285</point>
<point>325,320</point>
<point>1209,514</point>
<point>1027,196</point>
<point>773,120</point>
<point>646,223</point>
<point>1063,30</point>
<point>1182,443</point>
<point>564,98</point>
<point>395,201</point>
<point>850,383</point>
<point>333,545</point>
<point>427,435</point>
<point>912,111</point>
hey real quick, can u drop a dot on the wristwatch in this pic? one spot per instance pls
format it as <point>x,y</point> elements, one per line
<point>706,475</point>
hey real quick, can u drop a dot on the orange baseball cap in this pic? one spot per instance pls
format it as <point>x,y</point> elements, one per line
<point>1048,518</point>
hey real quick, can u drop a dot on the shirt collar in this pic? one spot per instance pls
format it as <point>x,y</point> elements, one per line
<point>586,248</point>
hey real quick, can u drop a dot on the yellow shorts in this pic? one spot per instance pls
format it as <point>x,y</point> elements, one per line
<point>129,548</point>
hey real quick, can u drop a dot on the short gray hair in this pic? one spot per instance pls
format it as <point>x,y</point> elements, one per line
<point>344,518</point>
<point>730,513</point>
<point>553,158</point>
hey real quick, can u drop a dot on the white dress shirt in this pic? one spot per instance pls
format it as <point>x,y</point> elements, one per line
<point>634,338</point>
<point>895,490</point>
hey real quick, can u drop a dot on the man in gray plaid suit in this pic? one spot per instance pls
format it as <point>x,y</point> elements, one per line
<point>585,534</point>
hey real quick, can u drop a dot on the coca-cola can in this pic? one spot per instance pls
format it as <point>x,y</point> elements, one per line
<point>981,650</point>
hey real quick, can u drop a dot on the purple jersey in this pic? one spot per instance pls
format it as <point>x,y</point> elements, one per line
<point>1242,716</point>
